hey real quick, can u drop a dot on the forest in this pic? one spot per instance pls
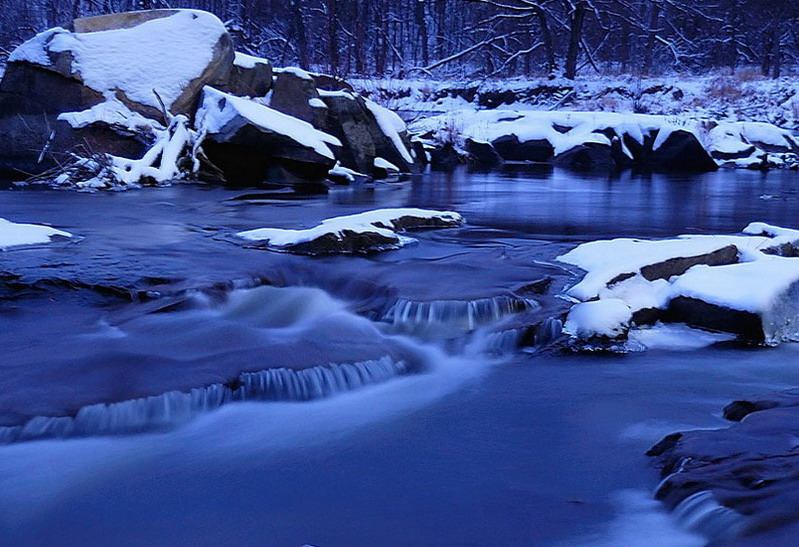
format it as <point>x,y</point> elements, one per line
<point>476,38</point>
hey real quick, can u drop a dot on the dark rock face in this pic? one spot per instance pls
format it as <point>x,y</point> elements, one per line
<point>350,243</point>
<point>751,467</point>
<point>680,152</point>
<point>249,81</point>
<point>351,121</point>
<point>511,149</point>
<point>589,156</point>
<point>482,153</point>
<point>292,94</point>
<point>696,313</point>
<point>678,266</point>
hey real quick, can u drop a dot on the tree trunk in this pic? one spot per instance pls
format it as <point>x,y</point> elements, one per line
<point>332,36</point>
<point>576,20</point>
<point>421,22</point>
<point>546,38</point>
<point>652,28</point>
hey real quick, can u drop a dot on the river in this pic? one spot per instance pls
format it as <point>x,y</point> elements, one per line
<point>446,435</point>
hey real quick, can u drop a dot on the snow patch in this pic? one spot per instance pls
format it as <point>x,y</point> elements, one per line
<point>600,318</point>
<point>16,235</point>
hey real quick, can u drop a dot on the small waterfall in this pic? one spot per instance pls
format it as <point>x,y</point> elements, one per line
<point>701,513</point>
<point>177,407</point>
<point>443,318</point>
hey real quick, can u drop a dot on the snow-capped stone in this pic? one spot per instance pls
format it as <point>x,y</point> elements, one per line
<point>599,319</point>
<point>142,58</point>
<point>245,139</point>
<point>361,233</point>
<point>17,235</point>
<point>747,285</point>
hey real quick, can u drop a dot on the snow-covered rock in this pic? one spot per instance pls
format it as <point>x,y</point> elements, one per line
<point>141,58</point>
<point>372,231</point>
<point>368,131</point>
<point>17,235</point>
<point>246,140</point>
<point>583,139</point>
<point>251,76</point>
<point>105,79</point>
<point>743,284</point>
<point>608,318</point>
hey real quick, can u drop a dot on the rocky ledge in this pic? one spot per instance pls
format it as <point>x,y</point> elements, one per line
<point>738,481</point>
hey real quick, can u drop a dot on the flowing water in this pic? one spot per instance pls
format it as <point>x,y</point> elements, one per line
<point>162,385</point>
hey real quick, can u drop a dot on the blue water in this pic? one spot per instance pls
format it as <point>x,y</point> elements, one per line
<point>474,449</point>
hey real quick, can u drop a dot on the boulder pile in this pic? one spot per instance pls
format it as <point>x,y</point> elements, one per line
<point>153,96</point>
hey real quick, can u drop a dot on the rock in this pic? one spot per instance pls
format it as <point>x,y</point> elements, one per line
<point>368,232</point>
<point>482,153</point>
<point>250,142</point>
<point>589,156</point>
<point>62,71</point>
<point>681,151</point>
<point>445,157</point>
<point>511,149</point>
<point>250,77</point>
<point>756,300</point>
<point>748,470</point>
<point>294,93</point>
<point>367,132</point>
<point>325,82</point>
<point>679,265</point>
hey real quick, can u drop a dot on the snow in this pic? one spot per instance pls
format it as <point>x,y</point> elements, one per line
<point>380,221</point>
<point>602,318</point>
<point>581,127</point>
<point>381,163</point>
<point>316,102</point>
<point>112,112</point>
<point>15,235</point>
<point>392,127</point>
<point>243,60</point>
<point>224,113</point>
<point>34,51</point>
<point>762,282</point>
<point>607,259</point>
<point>294,71</point>
<point>750,286</point>
<point>349,174</point>
<point>162,55</point>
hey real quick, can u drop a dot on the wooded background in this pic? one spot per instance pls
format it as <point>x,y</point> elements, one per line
<point>476,38</point>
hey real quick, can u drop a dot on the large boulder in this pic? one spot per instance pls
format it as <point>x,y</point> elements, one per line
<point>250,142</point>
<point>367,131</point>
<point>251,76</point>
<point>294,93</point>
<point>147,61</point>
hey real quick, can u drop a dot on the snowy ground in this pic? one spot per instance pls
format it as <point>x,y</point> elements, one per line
<point>745,96</point>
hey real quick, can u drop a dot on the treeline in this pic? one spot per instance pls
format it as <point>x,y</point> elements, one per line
<point>476,38</point>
